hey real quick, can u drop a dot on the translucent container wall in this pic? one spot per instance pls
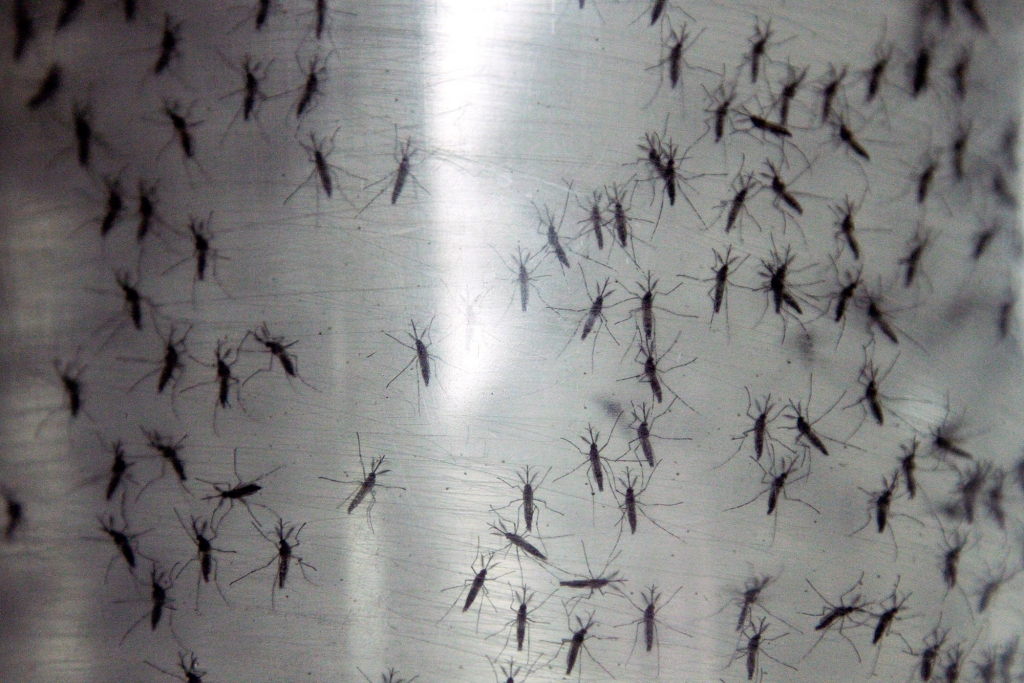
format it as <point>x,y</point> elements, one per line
<point>692,325</point>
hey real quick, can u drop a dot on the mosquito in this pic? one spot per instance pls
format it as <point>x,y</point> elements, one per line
<point>118,469</point>
<point>515,539</point>
<point>919,68</point>
<point>775,478</point>
<point>947,437</point>
<point>880,507</point>
<point>170,367</point>
<point>958,73</point>
<point>397,179</point>
<point>888,615</point>
<point>366,486</point>
<point>476,585</point>
<point>845,225</point>
<point>15,514</point>
<point>877,316</point>
<point>422,357</point>
<point>803,424</point>
<point>113,207</point>
<point>990,584</point>
<point>240,492</point>
<point>182,127</point>
<point>669,173</point>
<point>577,644</point>
<point>765,125</point>
<point>758,53</point>
<point>84,133</point>
<point>70,376</point>
<point>160,584</point>
<point>628,492</point>
<point>594,317</point>
<point>168,48</point>
<point>759,411</point>
<point>169,451</point>
<point>841,613</point>
<point>644,420</point>
<point>754,647</point>
<point>870,378</point>
<point>311,86</point>
<point>750,597</point>
<point>599,582</point>
<point>253,73</point>
<point>390,676</point>
<point>875,75</point>
<point>277,349</point>
<point>908,466</point>
<point>547,221</point>
<point>675,47</point>
<point>924,176</point>
<point>968,488</point>
<point>829,89</point>
<point>994,497</point>
<point>781,189</point>
<point>225,380</point>
<point>794,79</point>
<point>915,250</point>
<point>203,533</point>
<point>122,538</point>
<point>148,216</point>
<point>286,541</point>
<point>651,375</point>
<point>649,622</point>
<point>191,673</point>
<point>621,222</point>
<point>528,500</point>
<point>843,296</point>
<point>325,173</point>
<point>24,28</point>
<point>720,103</point>
<point>743,188</point>
<point>522,618</point>
<point>724,266</point>
<point>777,285</point>
<point>133,298</point>
<point>646,309</point>
<point>596,462</point>
<point>952,664</point>
<point>929,656</point>
<point>510,672</point>
<point>524,275</point>
<point>594,221</point>
<point>950,557</point>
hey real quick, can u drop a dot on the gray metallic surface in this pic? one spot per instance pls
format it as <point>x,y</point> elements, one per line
<point>513,109</point>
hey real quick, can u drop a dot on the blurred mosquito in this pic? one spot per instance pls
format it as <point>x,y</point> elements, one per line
<point>191,673</point>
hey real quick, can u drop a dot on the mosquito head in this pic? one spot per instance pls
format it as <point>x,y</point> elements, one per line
<point>528,480</point>
<point>645,413</point>
<point>583,628</point>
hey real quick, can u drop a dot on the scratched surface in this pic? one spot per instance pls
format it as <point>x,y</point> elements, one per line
<point>508,113</point>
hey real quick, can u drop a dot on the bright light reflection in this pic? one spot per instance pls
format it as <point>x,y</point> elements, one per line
<point>458,102</point>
